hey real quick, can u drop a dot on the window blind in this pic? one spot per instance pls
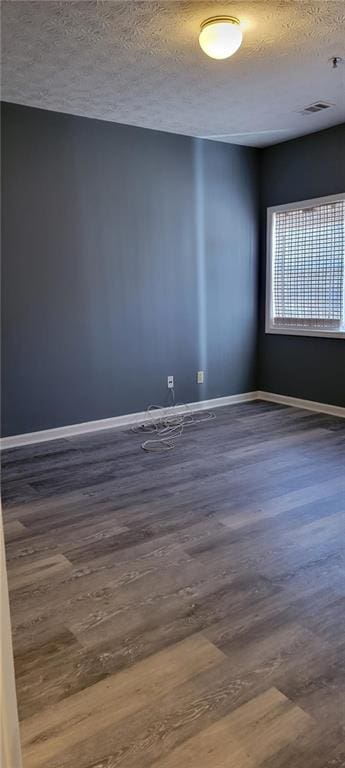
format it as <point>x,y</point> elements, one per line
<point>308,267</point>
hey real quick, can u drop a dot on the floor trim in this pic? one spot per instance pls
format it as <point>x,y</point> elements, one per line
<point>29,438</point>
<point>297,402</point>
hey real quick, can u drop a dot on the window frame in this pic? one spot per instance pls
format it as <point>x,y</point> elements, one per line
<point>294,331</point>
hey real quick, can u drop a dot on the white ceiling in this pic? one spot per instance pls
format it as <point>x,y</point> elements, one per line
<point>140,63</point>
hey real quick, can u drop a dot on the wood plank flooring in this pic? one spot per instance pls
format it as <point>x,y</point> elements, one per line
<point>184,609</point>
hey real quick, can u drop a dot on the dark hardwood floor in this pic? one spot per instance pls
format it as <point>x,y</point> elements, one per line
<point>185,609</point>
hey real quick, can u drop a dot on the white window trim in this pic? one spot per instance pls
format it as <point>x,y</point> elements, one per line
<point>269,328</point>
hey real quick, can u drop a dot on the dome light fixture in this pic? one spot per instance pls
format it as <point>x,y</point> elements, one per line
<point>220,36</point>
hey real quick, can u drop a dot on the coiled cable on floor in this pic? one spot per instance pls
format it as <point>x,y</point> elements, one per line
<point>168,428</point>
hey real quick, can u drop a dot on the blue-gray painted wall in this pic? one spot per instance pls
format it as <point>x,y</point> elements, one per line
<point>127,255</point>
<point>300,366</point>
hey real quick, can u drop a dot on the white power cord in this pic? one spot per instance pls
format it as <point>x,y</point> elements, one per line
<point>169,427</point>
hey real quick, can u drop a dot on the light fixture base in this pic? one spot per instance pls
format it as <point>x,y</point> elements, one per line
<point>219,20</point>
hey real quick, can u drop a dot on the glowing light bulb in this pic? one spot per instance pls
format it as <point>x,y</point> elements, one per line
<point>220,36</point>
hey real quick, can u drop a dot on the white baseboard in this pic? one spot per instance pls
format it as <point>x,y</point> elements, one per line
<point>297,402</point>
<point>29,438</point>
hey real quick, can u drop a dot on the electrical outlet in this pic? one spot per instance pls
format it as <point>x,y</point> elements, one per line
<point>200,377</point>
<point>170,382</point>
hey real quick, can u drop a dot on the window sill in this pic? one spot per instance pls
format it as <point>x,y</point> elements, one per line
<point>307,332</point>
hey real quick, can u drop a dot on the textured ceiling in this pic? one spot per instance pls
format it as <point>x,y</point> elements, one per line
<point>140,63</point>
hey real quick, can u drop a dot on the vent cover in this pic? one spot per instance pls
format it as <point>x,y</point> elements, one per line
<point>319,106</point>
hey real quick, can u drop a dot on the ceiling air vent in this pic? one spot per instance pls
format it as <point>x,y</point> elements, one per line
<point>319,106</point>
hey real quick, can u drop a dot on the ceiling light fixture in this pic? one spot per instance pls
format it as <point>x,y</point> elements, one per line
<point>220,36</point>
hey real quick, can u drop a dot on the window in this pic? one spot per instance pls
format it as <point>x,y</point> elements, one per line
<point>306,268</point>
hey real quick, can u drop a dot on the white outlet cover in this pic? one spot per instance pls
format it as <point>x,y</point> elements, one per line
<point>200,377</point>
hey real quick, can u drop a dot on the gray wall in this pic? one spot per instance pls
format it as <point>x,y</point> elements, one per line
<point>307,367</point>
<point>127,255</point>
